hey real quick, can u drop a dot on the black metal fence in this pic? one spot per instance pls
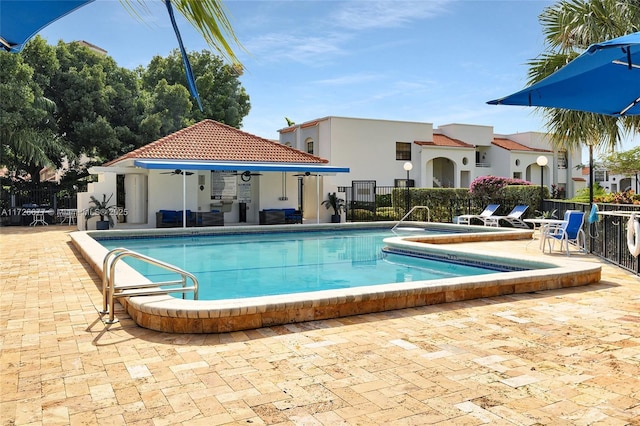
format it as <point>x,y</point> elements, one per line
<point>367,202</point>
<point>15,202</point>
<point>606,238</point>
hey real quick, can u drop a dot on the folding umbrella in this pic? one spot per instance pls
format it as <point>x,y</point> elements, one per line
<point>605,79</point>
<point>20,20</point>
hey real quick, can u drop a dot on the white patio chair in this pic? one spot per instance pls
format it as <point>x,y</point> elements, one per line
<point>568,232</point>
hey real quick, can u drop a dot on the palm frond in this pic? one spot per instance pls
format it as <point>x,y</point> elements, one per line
<point>208,17</point>
<point>34,146</point>
<point>572,129</point>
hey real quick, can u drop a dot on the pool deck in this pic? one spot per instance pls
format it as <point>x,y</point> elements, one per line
<point>565,356</point>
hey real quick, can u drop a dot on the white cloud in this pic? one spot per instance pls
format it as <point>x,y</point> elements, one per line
<point>305,49</point>
<point>350,79</point>
<point>361,15</point>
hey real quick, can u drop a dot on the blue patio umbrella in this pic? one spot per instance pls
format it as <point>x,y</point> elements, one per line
<point>20,20</point>
<point>605,79</point>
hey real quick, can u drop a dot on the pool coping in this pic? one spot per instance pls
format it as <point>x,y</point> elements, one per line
<point>169,314</point>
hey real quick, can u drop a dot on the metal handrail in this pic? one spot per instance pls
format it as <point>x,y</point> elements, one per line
<point>620,213</point>
<point>108,279</point>
<point>105,277</point>
<point>411,211</point>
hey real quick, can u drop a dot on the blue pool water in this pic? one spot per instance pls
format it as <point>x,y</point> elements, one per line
<point>249,265</point>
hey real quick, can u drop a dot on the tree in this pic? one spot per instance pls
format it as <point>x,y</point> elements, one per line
<point>167,110</point>
<point>223,98</point>
<point>625,163</point>
<point>98,107</point>
<point>28,135</point>
<point>569,27</point>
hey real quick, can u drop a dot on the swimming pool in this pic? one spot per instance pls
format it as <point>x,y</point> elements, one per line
<point>169,314</point>
<point>252,265</point>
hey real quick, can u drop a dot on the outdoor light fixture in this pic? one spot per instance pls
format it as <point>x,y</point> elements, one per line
<point>541,161</point>
<point>407,166</point>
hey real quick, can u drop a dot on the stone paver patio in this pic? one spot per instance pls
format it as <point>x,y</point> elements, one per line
<point>569,356</point>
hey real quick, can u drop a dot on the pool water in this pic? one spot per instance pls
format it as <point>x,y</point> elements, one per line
<point>251,265</point>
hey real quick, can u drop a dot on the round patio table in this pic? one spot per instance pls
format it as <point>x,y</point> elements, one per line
<point>541,224</point>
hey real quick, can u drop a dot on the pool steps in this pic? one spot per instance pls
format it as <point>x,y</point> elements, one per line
<point>112,291</point>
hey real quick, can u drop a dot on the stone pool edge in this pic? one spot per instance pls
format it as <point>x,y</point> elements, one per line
<point>169,314</point>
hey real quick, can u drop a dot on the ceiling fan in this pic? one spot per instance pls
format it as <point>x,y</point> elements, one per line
<point>177,172</point>
<point>246,176</point>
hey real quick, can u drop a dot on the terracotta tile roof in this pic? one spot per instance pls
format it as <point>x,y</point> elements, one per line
<point>442,140</point>
<point>510,145</point>
<point>210,140</point>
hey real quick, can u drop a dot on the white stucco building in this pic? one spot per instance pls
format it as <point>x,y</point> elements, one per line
<point>451,155</point>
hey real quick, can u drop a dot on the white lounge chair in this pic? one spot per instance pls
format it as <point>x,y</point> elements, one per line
<point>514,218</point>
<point>465,219</point>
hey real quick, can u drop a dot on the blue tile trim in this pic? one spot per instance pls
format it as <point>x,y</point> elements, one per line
<point>455,259</point>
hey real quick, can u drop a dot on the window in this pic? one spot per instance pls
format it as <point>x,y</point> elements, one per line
<point>403,183</point>
<point>309,147</point>
<point>403,151</point>
<point>517,175</point>
<point>562,159</point>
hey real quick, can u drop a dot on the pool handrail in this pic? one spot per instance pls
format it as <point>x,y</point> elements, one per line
<point>143,289</point>
<point>411,211</point>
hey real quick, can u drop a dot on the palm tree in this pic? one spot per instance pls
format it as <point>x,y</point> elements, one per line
<point>569,27</point>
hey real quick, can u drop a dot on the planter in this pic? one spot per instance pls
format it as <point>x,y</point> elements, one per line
<point>102,225</point>
<point>335,218</point>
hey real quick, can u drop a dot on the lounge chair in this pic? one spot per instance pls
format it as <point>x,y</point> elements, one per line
<point>568,232</point>
<point>465,219</point>
<point>514,218</point>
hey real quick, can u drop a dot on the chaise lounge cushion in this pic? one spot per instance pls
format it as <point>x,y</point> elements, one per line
<point>168,216</point>
<point>172,218</point>
<point>292,216</point>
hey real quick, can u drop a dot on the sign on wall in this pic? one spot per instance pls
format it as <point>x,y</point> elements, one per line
<point>244,193</point>
<point>224,185</point>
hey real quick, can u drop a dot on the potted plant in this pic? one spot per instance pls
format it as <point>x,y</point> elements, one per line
<point>335,203</point>
<point>102,209</point>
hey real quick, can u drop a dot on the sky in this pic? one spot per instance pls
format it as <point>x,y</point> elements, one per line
<point>435,61</point>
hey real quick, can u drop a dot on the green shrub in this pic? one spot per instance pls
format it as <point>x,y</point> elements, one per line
<point>384,200</point>
<point>360,214</point>
<point>626,197</point>
<point>582,196</point>
<point>387,213</point>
